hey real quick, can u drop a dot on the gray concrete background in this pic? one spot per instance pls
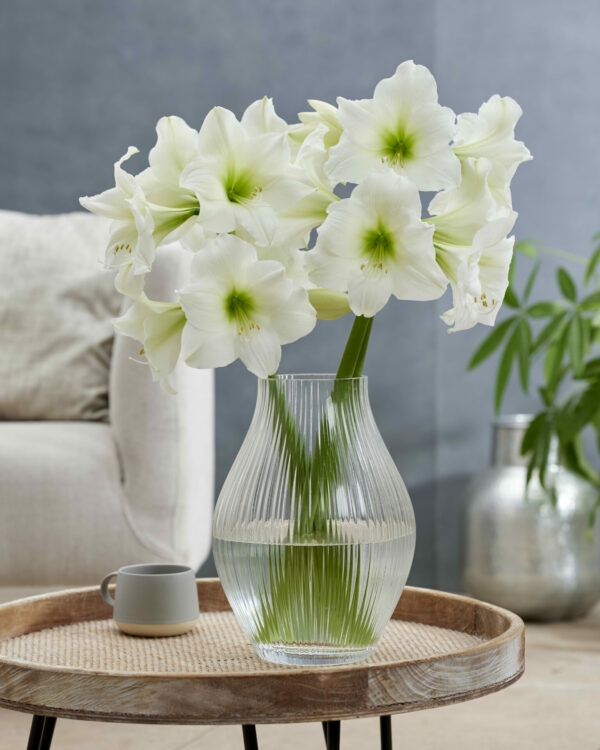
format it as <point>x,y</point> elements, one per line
<point>80,80</point>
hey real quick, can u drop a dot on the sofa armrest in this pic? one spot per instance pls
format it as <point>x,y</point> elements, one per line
<point>165,442</point>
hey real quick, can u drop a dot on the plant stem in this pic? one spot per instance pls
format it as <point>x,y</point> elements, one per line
<point>564,254</point>
<point>354,354</point>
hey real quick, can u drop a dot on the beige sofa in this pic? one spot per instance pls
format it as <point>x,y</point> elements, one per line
<point>81,498</point>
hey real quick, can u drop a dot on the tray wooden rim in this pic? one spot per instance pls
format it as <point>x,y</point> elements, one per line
<point>372,689</point>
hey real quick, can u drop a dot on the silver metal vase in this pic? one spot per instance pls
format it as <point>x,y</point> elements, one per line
<point>524,551</point>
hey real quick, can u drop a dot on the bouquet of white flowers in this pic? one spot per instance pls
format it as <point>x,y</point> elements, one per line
<point>244,196</point>
<point>314,531</point>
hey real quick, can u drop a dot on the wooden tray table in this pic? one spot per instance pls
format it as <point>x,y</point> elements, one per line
<point>62,656</point>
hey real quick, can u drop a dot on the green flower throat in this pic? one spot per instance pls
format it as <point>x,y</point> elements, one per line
<point>398,146</point>
<point>378,246</point>
<point>241,187</point>
<point>239,307</point>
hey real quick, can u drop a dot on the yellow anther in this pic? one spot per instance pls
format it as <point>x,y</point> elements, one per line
<point>142,350</point>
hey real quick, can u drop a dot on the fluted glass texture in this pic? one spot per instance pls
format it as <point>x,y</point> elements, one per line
<point>314,531</point>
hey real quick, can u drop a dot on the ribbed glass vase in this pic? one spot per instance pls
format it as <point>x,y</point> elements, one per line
<point>314,531</point>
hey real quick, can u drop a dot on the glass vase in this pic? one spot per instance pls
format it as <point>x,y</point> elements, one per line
<point>314,531</point>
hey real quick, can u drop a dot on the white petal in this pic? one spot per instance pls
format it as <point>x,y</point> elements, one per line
<point>368,291</point>
<point>203,304</point>
<point>260,117</point>
<point>295,319</point>
<point>410,83</point>
<point>176,146</point>
<point>260,351</point>
<point>435,171</point>
<point>225,257</point>
<point>220,133</point>
<point>129,283</point>
<point>258,219</point>
<point>205,351</point>
<point>162,339</point>
<point>111,203</point>
<point>490,133</point>
<point>124,181</point>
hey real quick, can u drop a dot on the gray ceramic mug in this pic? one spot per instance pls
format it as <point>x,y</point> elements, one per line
<point>153,600</point>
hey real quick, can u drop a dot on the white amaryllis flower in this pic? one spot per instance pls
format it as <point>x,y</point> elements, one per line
<point>472,247</point>
<point>374,244</point>
<point>297,222</point>
<point>177,145</point>
<point>139,224</point>
<point>402,127</point>
<point>238,306</point>
<point>491,134</point>
<point>131,247</point>
<point>323,115</point>
<point>243,181</point>
<point>158,327</point>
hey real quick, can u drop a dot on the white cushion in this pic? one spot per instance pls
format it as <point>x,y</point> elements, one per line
<point>56,305</point>
<point>62,508</point>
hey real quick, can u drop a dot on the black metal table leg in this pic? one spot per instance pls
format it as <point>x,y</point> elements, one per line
<point>385,730</point>
<point>331,730</point>
<point>40,735</point>
<point>250,740</point>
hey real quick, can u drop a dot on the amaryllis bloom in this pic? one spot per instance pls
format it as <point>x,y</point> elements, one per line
<point>243,181</point>
<point>402,127</point>
<point>480,279</point>
<point>140,225</point>
<point>238,306</point>
<point>374,245</point>
<point>491,134</point>
<point>158,327</point>
<point>131,248</point>
<point>297,222</point>
<point>323,115</point>
<point>472,247</point>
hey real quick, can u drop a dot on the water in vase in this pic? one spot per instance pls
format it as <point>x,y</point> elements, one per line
<point>315,602</point>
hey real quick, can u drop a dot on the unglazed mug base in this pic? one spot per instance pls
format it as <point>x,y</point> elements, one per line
<point>155,631</point>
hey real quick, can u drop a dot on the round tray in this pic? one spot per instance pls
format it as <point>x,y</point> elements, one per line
<point>61,655</point>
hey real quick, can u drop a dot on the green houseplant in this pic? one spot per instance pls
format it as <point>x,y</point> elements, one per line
<point>564,335</point>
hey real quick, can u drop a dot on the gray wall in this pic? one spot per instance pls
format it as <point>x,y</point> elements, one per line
<point>80,80</point>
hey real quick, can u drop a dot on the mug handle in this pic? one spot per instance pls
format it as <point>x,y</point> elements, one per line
<point>104,589</point>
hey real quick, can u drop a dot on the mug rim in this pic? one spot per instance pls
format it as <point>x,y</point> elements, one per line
<point>175,570</point>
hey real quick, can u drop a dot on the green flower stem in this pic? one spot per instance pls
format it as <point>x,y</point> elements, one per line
<point>312,583</point>
<point>354,354</point>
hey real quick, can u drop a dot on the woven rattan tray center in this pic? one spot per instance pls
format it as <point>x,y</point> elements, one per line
<point>216,645</point>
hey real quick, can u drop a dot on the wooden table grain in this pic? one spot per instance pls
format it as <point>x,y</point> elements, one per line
<point>259,693</point>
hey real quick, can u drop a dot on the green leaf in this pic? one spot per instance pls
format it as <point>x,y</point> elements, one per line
<point>531,434</point>
<point>578,411</point>
<point>591,369</point>
<point>531,281</point>
<point>550,331</point>
<point>591,302</point>
<point>544,309</point>
<point>490,343</point>
<point>504,368</point>
<point>593,261</point>
<point>554,359</point>
<point>526,247</point>
<point>510,298</point>
<point>524,352</point>
<point>577,343</point>
<point>566,284</point>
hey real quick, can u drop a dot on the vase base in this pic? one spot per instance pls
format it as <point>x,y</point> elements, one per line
<point>311,655</point>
